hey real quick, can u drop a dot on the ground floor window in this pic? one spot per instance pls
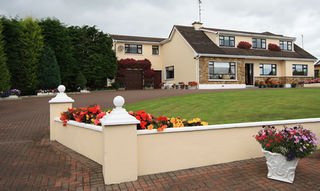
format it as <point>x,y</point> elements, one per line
<point>299,69</point>
<point>222,70</point>
<point>268,69</point>
<point>169,72</point>
<point>316,73</point>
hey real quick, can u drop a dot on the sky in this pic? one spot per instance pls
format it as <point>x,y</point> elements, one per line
<point>155,18</point>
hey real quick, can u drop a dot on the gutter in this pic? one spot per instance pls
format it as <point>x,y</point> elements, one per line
<point>134,41</point>
<point>255,57</point>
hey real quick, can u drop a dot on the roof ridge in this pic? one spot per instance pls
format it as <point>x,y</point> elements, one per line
<point>135,36</point>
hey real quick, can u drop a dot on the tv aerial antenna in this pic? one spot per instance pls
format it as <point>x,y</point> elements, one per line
<point>199,2</point>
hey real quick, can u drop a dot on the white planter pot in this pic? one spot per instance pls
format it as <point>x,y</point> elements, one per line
<point>279,168</point>
<point>42,94</point>
<point>84,91</point>
<point>13,97</point>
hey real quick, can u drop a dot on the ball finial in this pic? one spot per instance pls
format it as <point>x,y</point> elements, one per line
<point>61,88</point>
<point>118,101</point>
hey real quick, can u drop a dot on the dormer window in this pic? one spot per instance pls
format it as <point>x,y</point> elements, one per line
<point>226,41</point>
<point>259,43</point>
<point>286,45</point>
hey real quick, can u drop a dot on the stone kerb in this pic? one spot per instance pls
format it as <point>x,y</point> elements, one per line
<point>61,102</point>
<point>120,145</point>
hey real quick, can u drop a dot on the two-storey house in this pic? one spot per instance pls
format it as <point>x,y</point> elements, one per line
<point>212,58</point>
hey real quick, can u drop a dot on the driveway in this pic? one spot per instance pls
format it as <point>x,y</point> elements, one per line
<point>29,161</point>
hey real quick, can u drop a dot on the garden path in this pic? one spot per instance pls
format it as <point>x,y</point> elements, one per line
<point>29,161</point>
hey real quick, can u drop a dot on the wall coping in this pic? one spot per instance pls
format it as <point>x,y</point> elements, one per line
<point>83,125</point>
<point>200,128</point>
<point>229,126</point>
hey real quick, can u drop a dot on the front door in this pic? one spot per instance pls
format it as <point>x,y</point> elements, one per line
<point>249,74</point>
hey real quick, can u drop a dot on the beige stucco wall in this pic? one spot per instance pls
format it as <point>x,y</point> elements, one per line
<point>181,150</point>
<point>84,141</point>
<point>256,66</point>
<point>242,38</point>
<point>180,55</point>
<point>309,63</point>
<point>156,60</point>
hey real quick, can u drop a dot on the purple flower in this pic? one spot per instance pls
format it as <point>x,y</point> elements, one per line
<point>301,149</point>
<point>304,138</point>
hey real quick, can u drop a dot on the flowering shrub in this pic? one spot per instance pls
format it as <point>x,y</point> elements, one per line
<point>162,84</point>
<point>317,80</point>
<point>244,45</point>
<point>273,47</point>
<point>192,84</point>
<point>91,115</point>
<point>134,64</point>
<point>11,92</point>
<point>295,142</point>
<point>148,73</point>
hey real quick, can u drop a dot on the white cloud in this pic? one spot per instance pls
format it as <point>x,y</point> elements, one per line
<point>156,17</point>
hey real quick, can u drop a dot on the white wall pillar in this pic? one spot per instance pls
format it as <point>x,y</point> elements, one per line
<point>58,104</point>
<point>120,145</point>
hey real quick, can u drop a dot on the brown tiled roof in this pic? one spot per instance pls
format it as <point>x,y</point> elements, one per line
<point>201,43</point>
<point>135,38</point>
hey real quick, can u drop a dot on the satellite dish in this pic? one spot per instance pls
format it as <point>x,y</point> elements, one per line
<point>120,48</point>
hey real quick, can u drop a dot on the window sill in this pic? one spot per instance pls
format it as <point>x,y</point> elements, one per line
<point>169,79</point>
<point>300,76</point>
<point>222,80</point>
<point>268,76</point>
<point>135,53</point>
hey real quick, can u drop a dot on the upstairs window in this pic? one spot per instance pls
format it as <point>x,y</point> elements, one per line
<point>299,69</point>
<point>226,41</point>
<point>286,45</point>
<point>222,70</point>
<point>268,69</point>
<point>259,43</point>
<point>169,72</point>
<point>133,48</point>
<point>155,49</point>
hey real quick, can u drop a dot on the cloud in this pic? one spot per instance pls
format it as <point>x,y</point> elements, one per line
<point>156,18</point>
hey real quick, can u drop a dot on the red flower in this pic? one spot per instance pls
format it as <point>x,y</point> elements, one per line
<point>162,119</point>
<point>268,145</point>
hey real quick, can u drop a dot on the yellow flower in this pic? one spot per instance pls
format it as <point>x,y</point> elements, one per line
<point>172,120</point>
<point>92,120</point>
<point>150,127</point>
<point>190,121</point>
<point>307,145</point>
<point>196,120</point>
<point>204,123</point>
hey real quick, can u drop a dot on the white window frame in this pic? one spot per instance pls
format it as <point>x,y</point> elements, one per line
<point>217,80</point>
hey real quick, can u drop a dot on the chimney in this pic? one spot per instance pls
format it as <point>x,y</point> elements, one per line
<point>197,25</point>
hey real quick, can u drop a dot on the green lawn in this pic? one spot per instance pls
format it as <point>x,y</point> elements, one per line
<point>237,106</point>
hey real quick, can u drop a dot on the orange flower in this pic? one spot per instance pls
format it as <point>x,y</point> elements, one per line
<point>160,129</point>
<point>150,127</point>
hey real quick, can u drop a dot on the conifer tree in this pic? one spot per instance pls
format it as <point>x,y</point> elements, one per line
<point>4,72</point>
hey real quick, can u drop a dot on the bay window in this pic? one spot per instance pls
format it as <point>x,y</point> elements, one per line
<point>222,70</point>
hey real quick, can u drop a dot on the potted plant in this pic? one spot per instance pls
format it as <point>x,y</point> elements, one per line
<point>293,85</point>
<point>192,85</point>
<point>284,148</point>
<point>262,84</point>
<point>162,85</point>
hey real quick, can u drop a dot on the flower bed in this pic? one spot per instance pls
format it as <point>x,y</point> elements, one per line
<point>93,114</point>
<point>269,83</point>
<point>13,92</point>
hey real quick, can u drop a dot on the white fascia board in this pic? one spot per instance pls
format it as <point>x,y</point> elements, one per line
<point>255,57</point>
<point>132,41</point>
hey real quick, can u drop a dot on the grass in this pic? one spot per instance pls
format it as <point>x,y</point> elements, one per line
<point>237,106</point>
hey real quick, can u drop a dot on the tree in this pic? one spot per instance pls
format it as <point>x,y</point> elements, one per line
<point>81,80</point>
<point>31,41</point>
<point>11,32</point>
<point>49,71</point>
<point>5,76</point>
<point>57,37</point>
<point>94,54</point>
